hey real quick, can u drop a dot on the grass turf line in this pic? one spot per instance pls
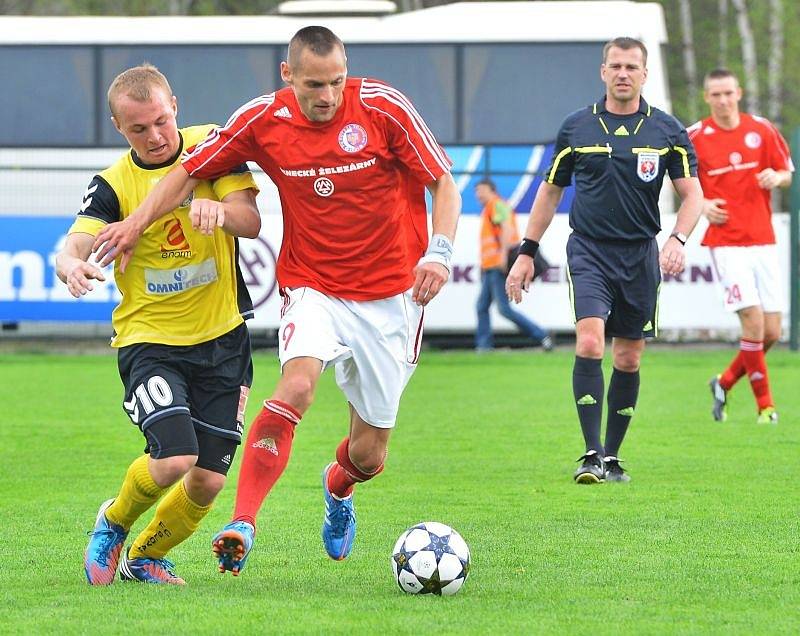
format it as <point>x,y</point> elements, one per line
<point>704,539</point>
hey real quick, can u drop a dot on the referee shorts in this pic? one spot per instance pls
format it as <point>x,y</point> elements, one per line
<point>616,281</point>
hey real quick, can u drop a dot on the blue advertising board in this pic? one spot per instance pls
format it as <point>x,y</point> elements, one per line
<point>29,288</point>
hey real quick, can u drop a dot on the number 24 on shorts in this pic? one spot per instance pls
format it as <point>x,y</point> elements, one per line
<point>733,295</point>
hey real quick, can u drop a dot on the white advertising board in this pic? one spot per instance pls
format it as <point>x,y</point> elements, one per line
<point>691,301</point>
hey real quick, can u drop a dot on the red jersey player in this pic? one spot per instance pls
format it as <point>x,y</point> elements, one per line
<point>351,159</point>
<point>741,158</point>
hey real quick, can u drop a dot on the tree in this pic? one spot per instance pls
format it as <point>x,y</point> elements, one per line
<point>775,70</point>
<point>689,63</point>
<point>749,60</point>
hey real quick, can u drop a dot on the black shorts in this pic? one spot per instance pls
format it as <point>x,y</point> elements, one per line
<point>208,382</point>
<point>618,282</point>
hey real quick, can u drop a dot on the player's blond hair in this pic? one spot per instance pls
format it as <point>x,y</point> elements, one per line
<point>138,84</point>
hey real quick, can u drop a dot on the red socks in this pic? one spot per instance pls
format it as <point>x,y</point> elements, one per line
<point>732,374</point>
<point>752,354</point>
<point>266,453</point>
<point>344,473</point>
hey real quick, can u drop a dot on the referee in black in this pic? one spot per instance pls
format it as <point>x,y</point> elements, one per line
<point>618,150</point>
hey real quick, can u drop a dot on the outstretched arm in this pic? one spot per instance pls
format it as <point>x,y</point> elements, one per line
<point>119,239</point>
<point>433,269</point>
<point>237,214</point>
<point>673,258</point>
<point>72,267</point>
<point>544,208</point>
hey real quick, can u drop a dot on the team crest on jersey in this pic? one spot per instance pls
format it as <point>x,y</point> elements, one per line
<point>647,166</point>
<point>752,140</point>
<point>735,158</point>
<point>352,138</point>
<point>323,187</point>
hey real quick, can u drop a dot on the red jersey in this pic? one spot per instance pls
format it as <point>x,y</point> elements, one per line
<point>727,164</point>
<point>352,189</point>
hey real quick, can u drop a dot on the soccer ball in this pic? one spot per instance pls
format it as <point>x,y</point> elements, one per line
<point>430,558</point>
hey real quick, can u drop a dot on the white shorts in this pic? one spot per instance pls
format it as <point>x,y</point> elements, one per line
<point>373,345</point>
<point>749,276</point>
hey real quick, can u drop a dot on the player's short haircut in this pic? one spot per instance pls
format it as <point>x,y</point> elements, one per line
<point>487,182</point>
<point>318,39</point>
<point>138,84</point>
<point>625,44</point>
<point>719,73</point>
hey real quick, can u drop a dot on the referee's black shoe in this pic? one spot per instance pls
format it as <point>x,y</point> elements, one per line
<point>592,470</point>
<point>615,472</point>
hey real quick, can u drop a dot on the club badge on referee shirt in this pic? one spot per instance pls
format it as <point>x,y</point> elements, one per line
<point>647,165</point>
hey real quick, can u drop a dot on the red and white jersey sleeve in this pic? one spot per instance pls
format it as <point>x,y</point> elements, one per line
<point>728,164</point>
<point>352,189</point>
<point>779,156</point>
<point>408,135</point>
<point>230,146</point>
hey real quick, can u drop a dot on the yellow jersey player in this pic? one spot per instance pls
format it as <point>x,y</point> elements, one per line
<point>183,346</point>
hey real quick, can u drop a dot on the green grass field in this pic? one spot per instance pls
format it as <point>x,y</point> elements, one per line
<point>703,540</point>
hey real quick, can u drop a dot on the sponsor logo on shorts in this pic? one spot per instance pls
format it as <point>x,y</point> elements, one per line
<point>352,138</point>
<point>244,392</point>
<point>647,166</point>
<point>175,281</point>
<point>267,444</point>
<point>227,459</point>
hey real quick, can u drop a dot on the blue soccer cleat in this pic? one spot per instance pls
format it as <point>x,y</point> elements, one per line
<point>339,527</point>
<point>149,570</point>
<point>232,546</point>
<point>102,554</point>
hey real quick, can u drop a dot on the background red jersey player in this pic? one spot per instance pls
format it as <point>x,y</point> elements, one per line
<point>741,159</point>
<point>351,159</point>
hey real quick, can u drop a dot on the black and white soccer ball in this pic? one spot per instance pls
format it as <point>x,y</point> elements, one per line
<point>430,558</point>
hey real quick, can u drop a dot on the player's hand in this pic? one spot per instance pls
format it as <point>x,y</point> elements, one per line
<point>429,280</point>
<point>714,212</point>
<point>117,240</point>
<point>673,257</point>
<point>519,278</point>
<point>79,277</point>
<point>768,179</point>
<point>207,215</point>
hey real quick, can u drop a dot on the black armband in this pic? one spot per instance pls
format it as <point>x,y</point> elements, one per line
<point>528,247</point>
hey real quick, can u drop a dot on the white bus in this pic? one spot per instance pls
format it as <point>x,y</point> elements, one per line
<point>493,81</point>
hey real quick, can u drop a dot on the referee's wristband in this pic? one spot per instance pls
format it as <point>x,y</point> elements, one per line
<point>528,247</point>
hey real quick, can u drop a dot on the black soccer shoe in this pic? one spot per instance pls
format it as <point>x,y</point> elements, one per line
<point>592,470</point>
<point>615,472</point>
<point>719,410</point>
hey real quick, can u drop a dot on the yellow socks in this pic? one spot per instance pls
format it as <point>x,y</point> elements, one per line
<point>137,494</point>
<point>177,517</point>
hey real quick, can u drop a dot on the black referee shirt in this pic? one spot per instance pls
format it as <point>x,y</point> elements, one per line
<point>619,163</point>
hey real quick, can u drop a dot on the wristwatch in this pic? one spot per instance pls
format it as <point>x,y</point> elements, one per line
<point>682,238</point>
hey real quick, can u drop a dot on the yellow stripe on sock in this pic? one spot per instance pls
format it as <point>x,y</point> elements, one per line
<point>138,493</point>
<point>176,519</point>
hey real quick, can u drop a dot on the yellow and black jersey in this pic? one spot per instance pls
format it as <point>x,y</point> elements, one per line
<point>180,287</point>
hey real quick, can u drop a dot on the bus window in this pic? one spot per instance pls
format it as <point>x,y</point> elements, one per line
<point>209,81</point>
<point>52,89</point>
<point>555,79</point>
